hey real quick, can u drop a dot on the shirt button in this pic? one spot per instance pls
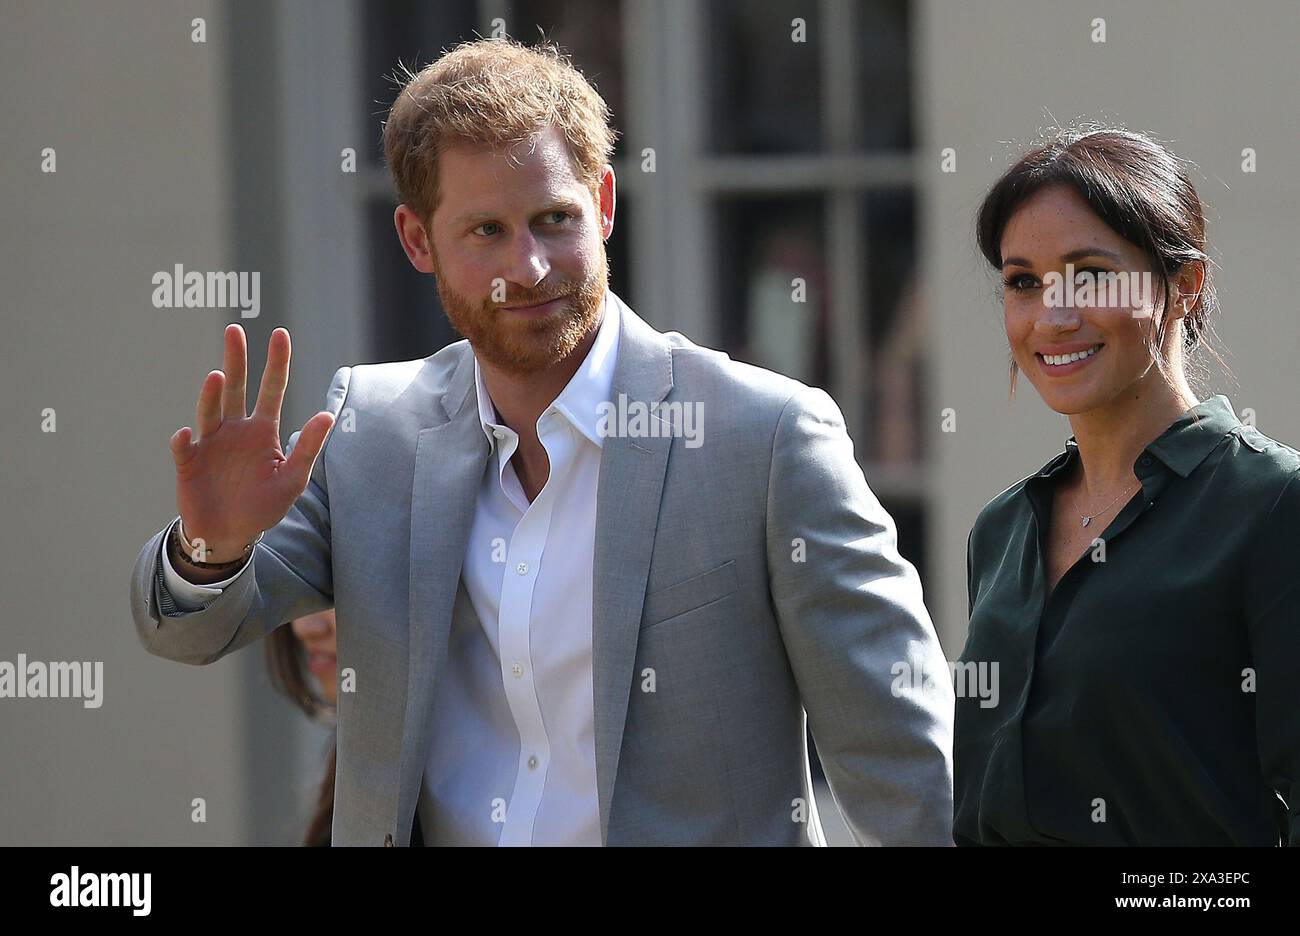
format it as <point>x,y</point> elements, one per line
<point>532,762</point>
<point>1144,460</point>
<point>499,433</point>
<point>522,568</point>
<point>517,669</point>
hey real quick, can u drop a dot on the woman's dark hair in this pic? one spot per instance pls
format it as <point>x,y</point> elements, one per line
<point>284,662</point>
<point>1143,193</point>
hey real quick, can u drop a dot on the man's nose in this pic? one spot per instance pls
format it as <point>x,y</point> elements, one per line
<point>527,264</point>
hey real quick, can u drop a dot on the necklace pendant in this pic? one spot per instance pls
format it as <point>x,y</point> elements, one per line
<point>1087,520</point>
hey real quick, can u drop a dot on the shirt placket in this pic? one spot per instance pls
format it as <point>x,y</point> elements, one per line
<point>518,591</point>
<point>1153,481</point>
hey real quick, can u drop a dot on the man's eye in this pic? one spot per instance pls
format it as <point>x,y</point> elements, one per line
<point>482,231</point>
<point>559,216</point>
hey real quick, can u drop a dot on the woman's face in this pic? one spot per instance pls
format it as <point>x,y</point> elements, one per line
<point>316,633</point>
<point>1047,332</point>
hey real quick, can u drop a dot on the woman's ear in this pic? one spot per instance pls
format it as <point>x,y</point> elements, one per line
<point>1185,288</point>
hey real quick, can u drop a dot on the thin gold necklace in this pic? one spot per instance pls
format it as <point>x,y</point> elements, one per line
<point>1087,518</point>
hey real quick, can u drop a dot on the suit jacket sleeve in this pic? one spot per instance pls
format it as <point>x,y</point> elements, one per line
<point>290,576</point>
<point>871,673</point>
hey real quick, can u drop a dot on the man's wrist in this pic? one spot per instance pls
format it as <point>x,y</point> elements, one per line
<point>197,554</point>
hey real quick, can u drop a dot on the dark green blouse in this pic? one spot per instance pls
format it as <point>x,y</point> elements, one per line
<point>1155,699</point>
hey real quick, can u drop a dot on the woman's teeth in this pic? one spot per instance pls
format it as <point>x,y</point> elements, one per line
<point>1058,359</point>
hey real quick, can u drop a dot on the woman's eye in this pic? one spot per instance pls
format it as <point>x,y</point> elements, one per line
<point>1094,272</point>
<point>482,232</point>
<point>1020,282</point>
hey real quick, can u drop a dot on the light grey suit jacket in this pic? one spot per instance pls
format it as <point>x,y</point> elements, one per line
<point>745,580</point>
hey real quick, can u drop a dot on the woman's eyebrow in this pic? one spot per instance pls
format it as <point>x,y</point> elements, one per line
<point>1073,255</point>
<point>1092,252</point>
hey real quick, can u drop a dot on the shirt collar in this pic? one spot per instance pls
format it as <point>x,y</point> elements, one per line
<point>1195,434</point>
<point>1181,447</point>
<point>581,397</point>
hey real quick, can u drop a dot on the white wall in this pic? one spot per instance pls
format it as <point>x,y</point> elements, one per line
<point>137,116</point>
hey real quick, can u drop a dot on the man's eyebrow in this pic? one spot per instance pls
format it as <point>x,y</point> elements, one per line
<point>478,217</point>
<point>1070,257</point>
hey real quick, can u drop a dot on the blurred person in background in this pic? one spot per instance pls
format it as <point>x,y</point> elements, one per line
<point>309,645</point>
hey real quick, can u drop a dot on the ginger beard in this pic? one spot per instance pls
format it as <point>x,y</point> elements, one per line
<point>523,345</point>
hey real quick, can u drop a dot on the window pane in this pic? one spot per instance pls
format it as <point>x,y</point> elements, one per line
<point>765,88</point>
<point>909,517</point>
<point>406,317</point>
<point>618,250</point>
<point>896,328</point>
<point>413,31</point>
<point>771,290</point>
<point>884,40</point>
<point>592,35</point>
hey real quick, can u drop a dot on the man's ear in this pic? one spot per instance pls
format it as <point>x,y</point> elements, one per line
<point>606,193</point>
<point>414,237</point>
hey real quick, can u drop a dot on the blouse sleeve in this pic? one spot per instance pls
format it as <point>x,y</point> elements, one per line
<point>1272,580</point>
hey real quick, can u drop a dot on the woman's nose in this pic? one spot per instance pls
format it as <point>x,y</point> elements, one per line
<point>312,627</point>
<point>1058,317</point>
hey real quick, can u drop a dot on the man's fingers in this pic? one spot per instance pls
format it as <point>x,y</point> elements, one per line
<point>207,414</point>
<point>275,378</point>
<point>182,445</point>
<point>310,441</point>
<point>235,364</point>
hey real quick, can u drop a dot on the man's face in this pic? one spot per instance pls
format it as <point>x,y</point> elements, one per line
<point>518,251</point>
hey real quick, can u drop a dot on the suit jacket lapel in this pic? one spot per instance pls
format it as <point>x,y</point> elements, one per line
<point>450,459</point>
<point>627,511</point>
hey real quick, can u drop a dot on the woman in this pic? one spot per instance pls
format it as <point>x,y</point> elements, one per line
<point>1139,594</point>
<point>311,642</point>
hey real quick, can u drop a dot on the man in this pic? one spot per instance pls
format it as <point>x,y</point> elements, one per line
<point>571,609</point>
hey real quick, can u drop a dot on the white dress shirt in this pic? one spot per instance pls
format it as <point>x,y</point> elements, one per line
<point>512,759</point>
